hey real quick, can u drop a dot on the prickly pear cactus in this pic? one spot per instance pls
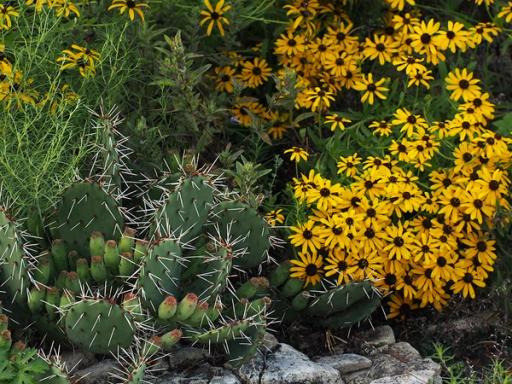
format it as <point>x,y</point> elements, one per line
<point>13,264</point>
<point>84,208</point>
<point>242,226</point>
<point>339,307</point>
<point>185,210</point>
<point>99,326</point>
<point>160,273</point>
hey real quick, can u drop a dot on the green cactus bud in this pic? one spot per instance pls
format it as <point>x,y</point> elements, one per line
<point>4,322</point>
<point>152,346</point>
<point>280,275</point>
<point>72,282</point>
<point>73,256</point>
<point>141,249</point>
<point>301,301</point>
<point>18,347</point>
<point>61,280</point>
<point>126,266</point>
<point>292,287</point>
<point>52,300</point>
<point>36,299</point>
<point>221,334</point>
<point>59,254</point>
<point>252,287</point>
<point>112,257</point>
<point>98,269</point>
<point>170,339</point>
<point>214,311</point>
<point>199,318</point>
<point>82,268</point>
<point>186,307</point>
<point>66,299</point>
<point>127,241</point>
<point>97,244</point>
<point>44,270</point>
<point>5,341</point>
<point>167,308</point>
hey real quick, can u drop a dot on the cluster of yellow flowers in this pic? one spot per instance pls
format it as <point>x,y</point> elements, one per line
<point>421,232</point>
<point>327,55</point>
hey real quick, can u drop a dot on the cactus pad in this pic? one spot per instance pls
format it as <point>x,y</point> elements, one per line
<point>85,207</point>
<point>13,267</point>
<point>99,326</point>
<point>160,273</point>
<point>242,227</point>
<point>185,210</point>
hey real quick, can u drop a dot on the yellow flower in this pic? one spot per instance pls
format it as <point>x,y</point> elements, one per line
<point>306,236</point>
<point>275,217</point>
<point>297,154</point>
<point>65,8</point>
<point>289,44</point>
<point>6,12</point>
<point>308,267</point>
<point>348,165</point>
<point>454,37</point>
<point>371,89</point>
<point>320,98</point>
<point>79,57</point>
<point>132,6</point>
<point>224,80</point>
<point>337,121</point>
<point>506,12</point>
<point>255,73</point>
<point>462,85</point>
<point>215,16</point>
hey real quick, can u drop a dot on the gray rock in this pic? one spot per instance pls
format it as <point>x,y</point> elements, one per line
<point>188,357</point>
<point>98,373</point>
<point>77,359</point>
<point>287,366</point>
<point>358,377</point>
<point>203,375</point>
<point>402,351</point>
<point>382,335</point>
<point>415,377</point>
<point>346,363</point>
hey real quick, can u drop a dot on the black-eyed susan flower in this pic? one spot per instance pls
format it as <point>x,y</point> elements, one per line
<point>7,12</point>
<point>16,90</point>
<point>255,72</point>
<point>131,7</point>
<point>409,64</point>
<point>325,194</point>
<point>306,236</point>
<point>371,89</point>
<point>420,78</point>
<point>461,84</point>
<point>297,154</point>
<point>275,217</point>
<point>399,4</point>
<point>426,41</point>
<point>290,44</point>
<point>337,264</point>
<point>320,99</point>
<point>466,284</point>
<point>455,37</point>
<point>366,265</point>
<point>336,122</point>
<point>400,307</point>
<point>308,268</point>
<point>79,57</point>
<point>380,47</point>
<point>480,246</point>
<point>409,123</point>
<point>64,8</point>
<point>348,164</point>
<point>400,242</point>
<point>381,128</point>
<point>224,79</point>
<point>215,16</point>
<point>506,12</point>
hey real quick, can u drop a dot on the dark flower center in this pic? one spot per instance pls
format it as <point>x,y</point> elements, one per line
<point>131,4</point>
<point>371,87</point>
<point>363,263</point>
<point>311,270</point>
<point>481,246</point>
<point>494,185</point>
<point>380,47</point>
<point>425,38</point>
<point>369,233</point>
<point>467,157</point>
<point>464,84</point>
<point>411,119</point>
<point>441,261</point>
<point>370,212</point>
<point>292,43</point>
<point>468,277</point>
<point>325,192</point>
<point>342,265</point>
<point>398,241</point>
<point>307,234</point>
<point>455,202</point>
<point>390,279</point>
<point>450,35</point>
<point>256,71</point>
<point>478,203</point>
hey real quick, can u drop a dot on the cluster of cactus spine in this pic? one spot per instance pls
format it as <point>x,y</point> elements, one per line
<point>334,308</point>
